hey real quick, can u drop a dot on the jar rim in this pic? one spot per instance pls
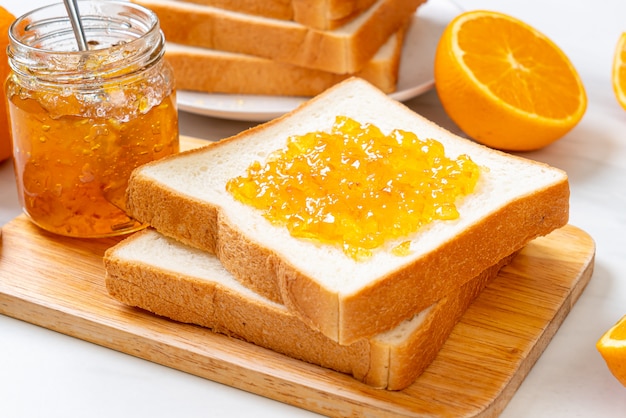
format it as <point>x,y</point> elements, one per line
<point>143,22</point>
<point>122,37</point>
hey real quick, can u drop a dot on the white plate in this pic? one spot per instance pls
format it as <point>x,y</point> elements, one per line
<point>415,77</point>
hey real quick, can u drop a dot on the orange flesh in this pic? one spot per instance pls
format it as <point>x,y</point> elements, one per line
<point>357,187</point>
<point>619,333</point>
<point>619,71</point>
<point>6,18</point>
<point>518,64</point>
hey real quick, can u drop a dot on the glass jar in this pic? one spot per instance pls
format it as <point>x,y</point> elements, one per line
<point>81,121</point>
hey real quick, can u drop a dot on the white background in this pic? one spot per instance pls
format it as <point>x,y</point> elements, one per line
<point>46,374</point>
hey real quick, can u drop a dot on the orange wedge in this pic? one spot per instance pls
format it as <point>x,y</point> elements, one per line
<point>505,84</point>
<point>619,71</point>
<point>612,347</point>
<point>6,19</point>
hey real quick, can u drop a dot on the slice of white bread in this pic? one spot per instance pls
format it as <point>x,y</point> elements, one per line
<point>163,276</point>
<point>213,71</point>
<point>344,50</point>
<point>184,197</point>
<point>318,14</point>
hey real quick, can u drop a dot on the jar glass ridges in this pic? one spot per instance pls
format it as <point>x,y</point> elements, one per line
<point>81,121</point>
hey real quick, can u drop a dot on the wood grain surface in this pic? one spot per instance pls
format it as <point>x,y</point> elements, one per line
<point>58,283</point>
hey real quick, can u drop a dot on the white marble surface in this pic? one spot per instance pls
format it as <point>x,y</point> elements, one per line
<point>43,373</point>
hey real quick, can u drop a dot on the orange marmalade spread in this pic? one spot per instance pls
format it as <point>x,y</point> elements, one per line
<point>357,187</point>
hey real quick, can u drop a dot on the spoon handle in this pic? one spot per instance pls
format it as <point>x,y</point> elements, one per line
<point>77,26</point>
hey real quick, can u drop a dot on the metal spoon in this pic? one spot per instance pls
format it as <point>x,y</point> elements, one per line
<point>72,10</point>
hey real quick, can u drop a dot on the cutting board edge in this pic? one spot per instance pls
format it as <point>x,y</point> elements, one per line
<point>314,398</point>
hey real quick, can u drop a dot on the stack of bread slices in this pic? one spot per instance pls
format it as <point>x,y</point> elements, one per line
<point>212,260</point>
<point>282,47</point>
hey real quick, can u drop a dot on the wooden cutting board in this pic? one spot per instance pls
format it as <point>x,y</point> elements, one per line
<point>58,283</point>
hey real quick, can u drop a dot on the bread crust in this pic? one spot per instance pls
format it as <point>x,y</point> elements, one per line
<point>317,14</point>
<point>383,362</point>
<point>340,51</point>
<point>330,14</point>
<point>201,69</point>
<point>383,303</point>
<point>402,294</point>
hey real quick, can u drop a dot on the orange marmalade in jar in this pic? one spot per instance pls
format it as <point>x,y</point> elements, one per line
<point>81,121</point>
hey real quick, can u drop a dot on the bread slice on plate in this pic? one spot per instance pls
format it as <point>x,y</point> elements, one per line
<point>344,50</point>
<point>167,278</point>
<point>317,14</point>
<point>213,71</point>
<point>185,197</point>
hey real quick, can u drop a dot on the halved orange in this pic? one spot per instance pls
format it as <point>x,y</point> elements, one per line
<point>6,19</point>
<point>619,71</point>
<point>505,84</point>
<point>612,347</point>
